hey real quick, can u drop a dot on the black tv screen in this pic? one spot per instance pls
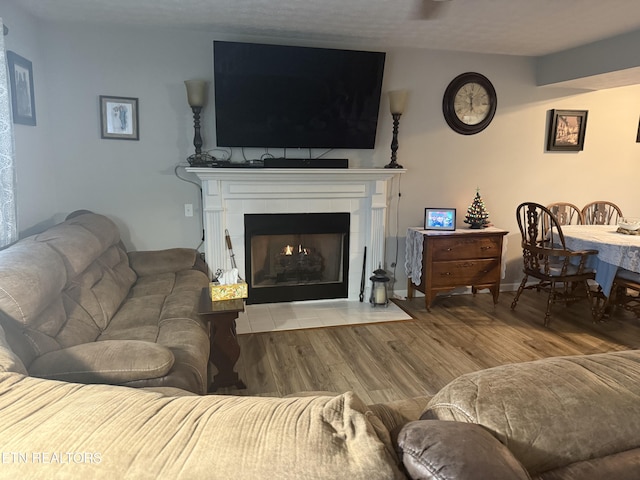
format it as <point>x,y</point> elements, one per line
<point>298,97</point>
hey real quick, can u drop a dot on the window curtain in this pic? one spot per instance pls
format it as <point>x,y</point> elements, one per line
<point>8,214</point>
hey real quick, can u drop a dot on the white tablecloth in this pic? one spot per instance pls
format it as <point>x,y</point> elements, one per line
<point>615,250</point>
<point>413,254</point>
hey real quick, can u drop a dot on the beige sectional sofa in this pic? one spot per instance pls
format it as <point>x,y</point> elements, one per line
<point>77,307</point>
<point>79,313</point>
<point>571,418</point>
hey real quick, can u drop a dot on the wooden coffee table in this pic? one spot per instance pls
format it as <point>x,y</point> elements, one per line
<point>225,350</point>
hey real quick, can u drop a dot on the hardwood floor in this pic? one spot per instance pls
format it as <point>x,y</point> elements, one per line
<point>391,361</point>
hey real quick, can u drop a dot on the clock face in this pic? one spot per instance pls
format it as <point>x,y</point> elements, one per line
<point>469,103</point>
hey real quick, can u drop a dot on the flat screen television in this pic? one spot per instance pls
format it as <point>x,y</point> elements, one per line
<point>298,97</point>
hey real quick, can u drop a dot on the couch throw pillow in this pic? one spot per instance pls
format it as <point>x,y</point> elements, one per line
<point>109,361</point>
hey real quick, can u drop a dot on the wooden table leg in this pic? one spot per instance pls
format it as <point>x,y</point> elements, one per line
<point>410,289</point>
<point>225,350</point>
<point>495,291</point>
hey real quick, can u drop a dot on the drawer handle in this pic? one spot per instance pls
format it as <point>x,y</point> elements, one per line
<point>467,265</point>
<point>449,249</point>
<point>445,274</point>
<point>486,248</point>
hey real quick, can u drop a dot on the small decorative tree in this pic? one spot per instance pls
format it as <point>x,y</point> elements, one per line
<point>477,215</point>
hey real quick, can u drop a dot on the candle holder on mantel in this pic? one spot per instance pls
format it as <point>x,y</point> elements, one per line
<point>379,296</point>
<point>397,102</point>
<point>196,96</point>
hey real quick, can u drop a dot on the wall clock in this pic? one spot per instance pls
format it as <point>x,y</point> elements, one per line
<point>469,103</point>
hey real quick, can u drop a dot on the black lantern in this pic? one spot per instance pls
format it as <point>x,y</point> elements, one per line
<point>379,281</point>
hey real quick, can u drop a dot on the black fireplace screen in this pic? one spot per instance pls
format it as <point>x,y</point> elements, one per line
<point>296,256</point>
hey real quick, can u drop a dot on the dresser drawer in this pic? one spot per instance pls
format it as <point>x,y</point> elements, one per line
<point>465,272</point>
<point>456,248</point>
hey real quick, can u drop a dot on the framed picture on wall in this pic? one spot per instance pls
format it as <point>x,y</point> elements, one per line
<point>119,118</point>
<point>566,130</point>
<point>23,101</point>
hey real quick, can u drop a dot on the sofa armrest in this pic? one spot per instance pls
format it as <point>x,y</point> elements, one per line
<point>109,361</point>
<point>154,262</point>
<point>435,449</point>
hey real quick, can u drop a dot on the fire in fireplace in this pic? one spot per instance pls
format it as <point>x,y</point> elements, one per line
<point>296,256</point>
<point>298,264</point>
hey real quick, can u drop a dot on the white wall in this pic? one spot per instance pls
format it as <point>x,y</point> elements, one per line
<point>133,182</point>
<point>508,161</point>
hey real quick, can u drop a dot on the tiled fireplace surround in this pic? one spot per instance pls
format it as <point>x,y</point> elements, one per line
<point>230,193</point>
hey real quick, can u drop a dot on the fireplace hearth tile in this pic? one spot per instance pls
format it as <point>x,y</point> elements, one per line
<point>287,324</point>
<point>270,317</point>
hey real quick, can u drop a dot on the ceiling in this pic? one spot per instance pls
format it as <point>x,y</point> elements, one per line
<point>513,27</point>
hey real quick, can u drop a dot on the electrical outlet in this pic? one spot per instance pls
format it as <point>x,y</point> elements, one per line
<point>188,210</point>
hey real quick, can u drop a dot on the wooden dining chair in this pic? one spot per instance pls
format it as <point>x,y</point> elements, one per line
<point>559,271</point>
<point>625,292</point>
<point>601,213</point>
<point>566,213</point>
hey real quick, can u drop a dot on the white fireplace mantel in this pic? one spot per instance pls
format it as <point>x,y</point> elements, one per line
<point>230,193</point>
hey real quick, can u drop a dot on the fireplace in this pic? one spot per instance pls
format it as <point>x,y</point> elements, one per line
<point>296,256</point>
<point>228,194</point>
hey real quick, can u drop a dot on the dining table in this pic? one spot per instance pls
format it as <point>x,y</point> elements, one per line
<point>616,250</point>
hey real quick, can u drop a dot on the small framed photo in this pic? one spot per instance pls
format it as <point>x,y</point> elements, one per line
<point>119,118</point>
<point>566,130</point>
<point>439,218</point>
<point>23,101</point>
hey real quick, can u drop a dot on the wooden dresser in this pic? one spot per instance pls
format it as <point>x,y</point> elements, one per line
<point>456,259</point>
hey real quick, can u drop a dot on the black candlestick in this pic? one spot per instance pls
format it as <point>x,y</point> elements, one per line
<point>197,139</point>
<point>199,159</point>
<point>394,142</point>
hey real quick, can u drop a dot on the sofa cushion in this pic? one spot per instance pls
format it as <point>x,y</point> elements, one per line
<point>619,466</point>
<point>77,247</point>
<point>98,272</point>
<point>140,434</point>
<point>163,261</point>
<point>33,275</point>
<point>113,362</point>
<point>80,240</point>
<point>551,412</point>
<point>100,290</point>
